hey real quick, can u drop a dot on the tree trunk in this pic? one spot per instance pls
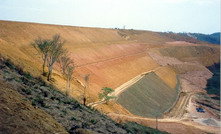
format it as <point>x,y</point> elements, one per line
<point>69,85</point>
<point>44,64</point>
<point>67,90</point>
<point>50,72</point>
<point>156,123</point>
<point>84,99</point>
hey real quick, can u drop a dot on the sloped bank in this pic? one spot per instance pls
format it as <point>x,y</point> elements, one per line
<point>149,97</point>
<point>35,102</point>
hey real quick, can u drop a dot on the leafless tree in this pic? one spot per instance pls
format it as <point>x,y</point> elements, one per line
<point>67,67</point>
<point>86,79</point>
<point>56,50</point>
<point>43,47</point>
<point>70,70</point>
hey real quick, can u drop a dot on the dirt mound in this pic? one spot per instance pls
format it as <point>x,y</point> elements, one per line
<point>18,115</point>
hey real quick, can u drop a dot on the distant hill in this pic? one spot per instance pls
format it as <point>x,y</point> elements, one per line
<point>211,38</point>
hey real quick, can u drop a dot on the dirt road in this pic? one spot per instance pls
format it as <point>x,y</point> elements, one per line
<point>179,110</point>
<point>174,126</point>
<point>123,87</point>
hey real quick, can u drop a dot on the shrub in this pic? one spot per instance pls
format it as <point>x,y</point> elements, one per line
<point>27,75</point>
<point>93,121</point>
<point>64,112</point>
<point>33,103</point>
<point>73,118</point>
<point>40,100</point>
<point>9,64</point>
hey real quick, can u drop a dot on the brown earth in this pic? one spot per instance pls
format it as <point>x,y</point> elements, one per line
<point>112,57</point>
<point>173,126</point>
<point>19,116</point>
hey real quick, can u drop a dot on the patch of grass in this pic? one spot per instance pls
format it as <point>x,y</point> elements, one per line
<point>135,128</point>
<point>64,112</point>
<point>27,91</point>
<point>59,101</point>
<point>6,71</point>
<point>27,75</point>
<point>85,124</point>
<point>93,121</point>
<point>9,64</point>
<point>73,118</point>
<point>25,99</point>
<point>67,101</point>
<point>33,103</point>
<point>148,97</point>
<point>40,100</point>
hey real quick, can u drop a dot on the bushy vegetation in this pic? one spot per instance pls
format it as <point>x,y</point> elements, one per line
<point>213,84</point>
<point>211,38</point>
<point>105,94</point>
<point>135,128</point>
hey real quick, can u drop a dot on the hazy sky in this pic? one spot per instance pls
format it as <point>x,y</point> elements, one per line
<point>156,15</point>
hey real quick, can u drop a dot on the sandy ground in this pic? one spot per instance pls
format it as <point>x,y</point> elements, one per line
<point>192,83</point>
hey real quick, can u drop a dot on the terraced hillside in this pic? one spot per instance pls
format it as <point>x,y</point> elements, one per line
<point>113,57</point>
<point>204,54</point>
<point>149,97</point>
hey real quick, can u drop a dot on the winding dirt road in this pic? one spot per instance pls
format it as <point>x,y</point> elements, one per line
<point>179,109</point>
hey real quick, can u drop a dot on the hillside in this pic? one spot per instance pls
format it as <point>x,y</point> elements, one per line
<point>18,115</point>
<point>211,38</point>
<point>113,57</point>
<point>31,105</point>
<point>146,91</point>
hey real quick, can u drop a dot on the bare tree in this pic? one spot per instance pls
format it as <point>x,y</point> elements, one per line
<point>70,70</point>
<point>86,78</point>
<point>43,47</point>
<point>56,50</point>
<point>67,67</point>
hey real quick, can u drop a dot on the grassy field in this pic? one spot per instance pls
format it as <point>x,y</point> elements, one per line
<point>148,97</point>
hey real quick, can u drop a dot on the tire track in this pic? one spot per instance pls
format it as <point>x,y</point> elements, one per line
<point>180,108</point>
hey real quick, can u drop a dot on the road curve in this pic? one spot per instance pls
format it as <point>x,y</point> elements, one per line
<point>123,87</point>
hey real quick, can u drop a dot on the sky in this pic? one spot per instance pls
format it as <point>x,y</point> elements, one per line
<point>198,16</point>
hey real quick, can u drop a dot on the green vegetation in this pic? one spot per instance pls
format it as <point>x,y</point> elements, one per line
<point>135,128</point>
<point>105,95</point>
<point>149,97</point>
<point>213,84</point>
<point>50,50</point>
<point>67,67</point>
<point>211,38</point>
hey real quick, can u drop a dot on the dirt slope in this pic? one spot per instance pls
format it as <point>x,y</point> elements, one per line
<point>149,97</point>
<point>19,116</point>
<point>112,57</point>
